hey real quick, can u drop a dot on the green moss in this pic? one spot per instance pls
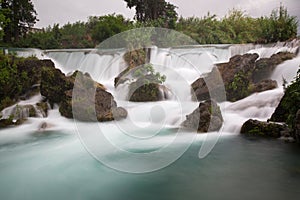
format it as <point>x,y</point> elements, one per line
<point>239,87</point>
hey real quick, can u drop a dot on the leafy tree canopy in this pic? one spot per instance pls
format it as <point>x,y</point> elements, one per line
<point>19,16</point>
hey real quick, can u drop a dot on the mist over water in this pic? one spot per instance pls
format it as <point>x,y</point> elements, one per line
<point>55,165</point>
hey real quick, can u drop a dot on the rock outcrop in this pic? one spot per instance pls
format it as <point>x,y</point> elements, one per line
<point>265,66</point>
<point>241,76</point>
<point>80,97</point>
<point>286,114</point>
<point>146,89</point>
<point>206,118</point>
<point>21,78</point>
<point>265,129</point>
<point>16,115</point>
<point>54,84</point>
<point>145,85</point>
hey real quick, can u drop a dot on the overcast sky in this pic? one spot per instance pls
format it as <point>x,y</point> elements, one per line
<point>64,11</point>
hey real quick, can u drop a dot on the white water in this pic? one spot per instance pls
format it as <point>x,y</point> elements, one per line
<point>182,66</point>
<point>53,164</point>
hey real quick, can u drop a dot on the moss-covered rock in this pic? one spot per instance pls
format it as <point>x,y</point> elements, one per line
<point>19,78</point>
<point>289,104</point>
<point>43,107</point>
<point>265,129</point>
<point>54,84</point>
<point>88,101</point>
<point>206,118</point>
<point>241,76</point>
<point>10,122</point>
<point>16,115</point>
<point>147,88</point>
<point>133,59</point>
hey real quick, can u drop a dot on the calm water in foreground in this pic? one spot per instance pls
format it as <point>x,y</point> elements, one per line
<point>57,166</point>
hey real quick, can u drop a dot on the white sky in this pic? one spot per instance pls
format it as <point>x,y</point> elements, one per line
<point>64,11</point>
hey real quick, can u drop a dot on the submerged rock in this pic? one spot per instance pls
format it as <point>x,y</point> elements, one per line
<point>265,129</point>
<point>206,118</point>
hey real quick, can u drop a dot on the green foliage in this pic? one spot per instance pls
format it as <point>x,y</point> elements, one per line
<point>20,16</point>
<point>4,20</point>
<point>283,26</point>
<point>148,74</point>
<point>235,27</point>
<point>104,27</point>
<point>291,101</point>
<point>154,11</point>
<point>9,82</point>
<point>239,87</point>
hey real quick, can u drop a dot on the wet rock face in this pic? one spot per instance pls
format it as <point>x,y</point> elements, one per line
<point>17,115</point>
<point>297,127</point>
<point>88,101</point>
<point>265,129</point>
<point>206,118</point>
<point>241,76</point>
<point>264,85</point>
<point>265,66</point>
<point>54,84</point>
<point>147,89</point>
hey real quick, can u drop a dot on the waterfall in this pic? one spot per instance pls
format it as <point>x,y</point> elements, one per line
<point>101,65</point>
<point>182,66</point>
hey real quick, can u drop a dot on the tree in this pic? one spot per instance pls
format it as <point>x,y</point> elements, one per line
<point>21,16</point>
<point>3,21</point>
<point>283,25</point>
<point>106,26</point>
<point>151,10</point>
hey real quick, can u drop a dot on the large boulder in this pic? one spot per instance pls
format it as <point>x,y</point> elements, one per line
<point>210,86</point>
<point>233,76</point>
<point>265,129</point>
<point>147,88</point>
<point>241,76</point>
<point>33,67</point>
<point>21,80</point>
<point>206,118</point>
<point>145,84</point>
<point>289,104</point>
<point>265,66</point>
<point>89,101</point>
<point>54,84</point>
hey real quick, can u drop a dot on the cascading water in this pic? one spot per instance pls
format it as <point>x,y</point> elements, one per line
<point>185,64</point>
<point>54,165</point>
